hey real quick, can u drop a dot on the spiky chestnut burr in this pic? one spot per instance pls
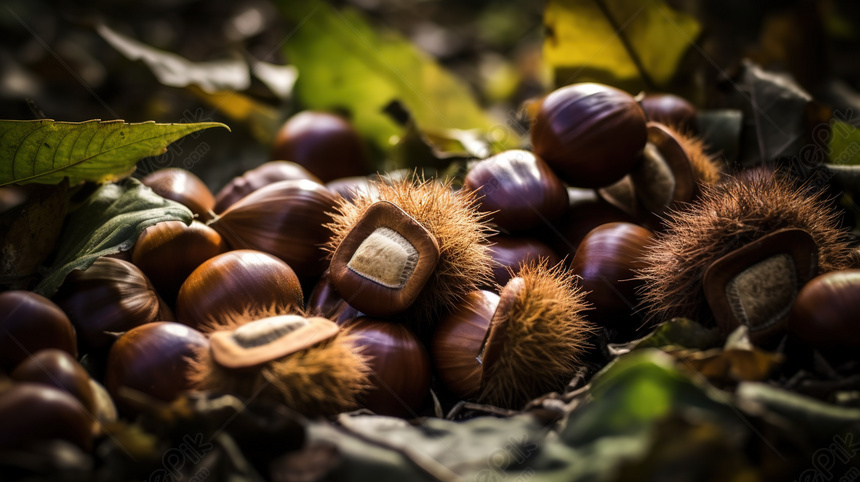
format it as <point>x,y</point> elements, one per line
<point>308,364</point>
<point>724,218</point>
<point>507,349</point>
<point>405,217</point>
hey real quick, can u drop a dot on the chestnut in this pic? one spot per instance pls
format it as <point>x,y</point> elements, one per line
<point>153,359</point>
<point>32,412</point>
<point>308,364</point>
<point>510,252</point>
<point>183,187</point>
<point>399,364</point>
<point>30,322</point>
<point>508,349</point>
<point>168,252</point>
<point>58,369</point>
<point>756,284</point>
<point>348,187</point>
<point>671,110</point>
<point>519,188</point>
<point>590,134</point>
<point>111,296</point>
<point>383,245</point>
<point>606,261</point>
<point>325,144</point>
<point>286,219</point>
<point>824,314</point>
<point>261,176</point>
<point>234,282</point>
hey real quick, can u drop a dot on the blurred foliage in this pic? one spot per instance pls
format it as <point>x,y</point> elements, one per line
<point>633,44</point>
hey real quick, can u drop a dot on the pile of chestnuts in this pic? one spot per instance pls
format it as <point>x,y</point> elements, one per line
<point>309,283</point>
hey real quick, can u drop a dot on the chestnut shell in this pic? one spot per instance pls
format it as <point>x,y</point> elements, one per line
<point>57,369</point>
<point>400,364</point>
<point>325,144</point>
<point>590,134</point>
<point>286,219</point>
<point>30,322</point>
<point>234,282</point>
<point>259,177</point>
<point>824,314</point>
<point>520,187</point>
<point>183,187</point>
<point>153,359</point>
<point>111,296</point>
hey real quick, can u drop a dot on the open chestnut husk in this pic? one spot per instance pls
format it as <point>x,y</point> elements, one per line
<point>323,143</point>
<point>824,314</point>
<point>30,322</point>
<point>183,187</point>
<point>57,369</point>
<point>399,364</point>
<point>508,349</point>
<point>286,219</point>
<point>170,251</point>
<point>756,285</point>
<point>236,282</point>
<point>607,260</point>
<point>518,189</point>
<point>153,359</point>
<point>259,177</point>
<point>726,217</point>
<point>33,412</point>
<point>111,296</point>
<point>413,250</point>
<point>590,134</point>
<point>308,364</point>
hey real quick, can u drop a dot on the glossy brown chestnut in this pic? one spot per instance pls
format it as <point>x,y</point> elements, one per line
<point>324,144</point>
<point>267,173</point>
<point>606,259</point>
<point>324,300</point>
<point>590,134</point>
<point>348,187</point>
<point>458,341</point>
<point>111,296</point>
<point>399,363</point>
<point>510,252</point>
<point>236,282</point>
<point>153,359</point>
<point>32,412</point>
<point>756,284</point>
<point>30,322</point>
<point>824,314</point>
<point>183,187</point>
<point>58,369</point>
<point>286,219</point>
<point>671,110</point>
<point>520,187</point>
<point>168,252</point>
<point>381,266</point>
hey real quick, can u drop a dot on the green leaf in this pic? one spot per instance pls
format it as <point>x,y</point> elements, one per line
<point>46,151</point>
<point>604,40</point>
<point>372,69</point>
<point>844,148</point>
<point>109,222</point>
